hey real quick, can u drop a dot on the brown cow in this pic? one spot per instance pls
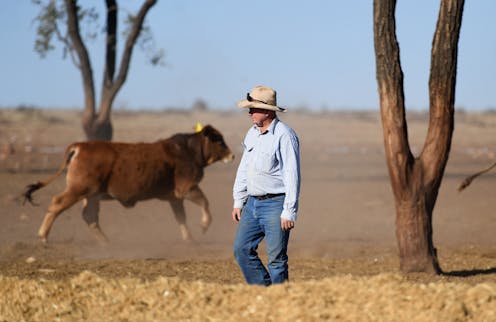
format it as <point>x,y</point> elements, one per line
<point>168,169</point>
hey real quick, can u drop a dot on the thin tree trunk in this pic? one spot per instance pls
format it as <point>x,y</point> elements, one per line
<point>84,66</point>
<point>415,182</point>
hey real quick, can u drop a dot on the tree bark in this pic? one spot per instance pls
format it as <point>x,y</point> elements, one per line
<point>415,182</point>
<point>84,65</point>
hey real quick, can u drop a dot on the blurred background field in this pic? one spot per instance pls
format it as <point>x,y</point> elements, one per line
<point>345,228</point>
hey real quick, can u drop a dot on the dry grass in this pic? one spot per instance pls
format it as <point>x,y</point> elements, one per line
<point>343,261</point>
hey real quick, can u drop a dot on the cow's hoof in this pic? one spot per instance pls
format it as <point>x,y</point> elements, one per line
<point>102,239</point>
<point>205,225</point>
<point>188,238</point>
<point>44,241</point>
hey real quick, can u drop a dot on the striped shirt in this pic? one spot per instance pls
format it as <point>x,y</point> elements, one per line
<point>270,164</point>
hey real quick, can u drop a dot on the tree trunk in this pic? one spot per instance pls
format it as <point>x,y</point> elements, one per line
<point>414,208</point>
<point>415,182</point>
<point>84,67</point>
<point>98,126</point>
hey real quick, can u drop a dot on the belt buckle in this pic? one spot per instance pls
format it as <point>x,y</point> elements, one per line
<point>267,196</point>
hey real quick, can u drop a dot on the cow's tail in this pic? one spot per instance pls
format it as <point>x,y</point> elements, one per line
<point>468,180</point>
<point>28,192</point>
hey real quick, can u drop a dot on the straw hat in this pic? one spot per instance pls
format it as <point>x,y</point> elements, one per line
<point>261,97</point>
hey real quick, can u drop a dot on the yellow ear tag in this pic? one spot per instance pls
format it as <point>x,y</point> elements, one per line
<point>199,127</point>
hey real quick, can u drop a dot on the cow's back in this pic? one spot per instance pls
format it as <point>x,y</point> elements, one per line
<point>127,172</point>
<point>141,171</point>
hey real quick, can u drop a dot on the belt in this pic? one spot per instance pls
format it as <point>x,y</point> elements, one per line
<point>268,196</point>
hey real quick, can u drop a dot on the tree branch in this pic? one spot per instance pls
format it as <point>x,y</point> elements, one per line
<point>68,46</point>
<point>86,70</point>
<point>442,91</point>
<point>390,81</point>
<point>131,41</point>
<point>111,44</point>
<point>110,93</point>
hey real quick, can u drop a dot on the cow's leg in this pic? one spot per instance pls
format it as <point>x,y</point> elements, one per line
<point>182,188</point>
<point>59,203</point>
<point>198,197</point>
<point>178,208</point>
<point>91,209</point>
<point>184,179</point>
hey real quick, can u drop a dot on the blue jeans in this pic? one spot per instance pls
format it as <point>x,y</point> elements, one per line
<point>259,219</point>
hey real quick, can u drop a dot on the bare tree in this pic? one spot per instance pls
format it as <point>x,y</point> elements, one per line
<point>415,181</point>
<point>96,123</point>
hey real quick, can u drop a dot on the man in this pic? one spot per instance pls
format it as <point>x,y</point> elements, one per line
<point>266,190</point>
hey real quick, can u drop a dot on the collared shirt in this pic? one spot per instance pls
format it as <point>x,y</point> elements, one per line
<point>270,164</point>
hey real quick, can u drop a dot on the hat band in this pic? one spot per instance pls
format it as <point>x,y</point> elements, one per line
<point>251,99</point>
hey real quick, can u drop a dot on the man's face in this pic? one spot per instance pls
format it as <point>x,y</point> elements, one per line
<point>258,116</point>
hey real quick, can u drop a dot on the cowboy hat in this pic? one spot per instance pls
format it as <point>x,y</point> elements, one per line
<point>261,97</point>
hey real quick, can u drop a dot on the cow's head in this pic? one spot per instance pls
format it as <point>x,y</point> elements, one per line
<point>214,146</point>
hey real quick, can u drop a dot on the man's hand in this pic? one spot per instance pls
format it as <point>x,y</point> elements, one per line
<point>287,224</point>
<point>236,214</point>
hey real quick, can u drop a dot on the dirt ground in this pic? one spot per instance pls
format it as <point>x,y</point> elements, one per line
<point>343,256</point>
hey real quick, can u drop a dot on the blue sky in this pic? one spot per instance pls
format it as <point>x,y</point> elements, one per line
<point>316,54</point>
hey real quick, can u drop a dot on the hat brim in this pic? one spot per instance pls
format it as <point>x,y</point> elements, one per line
<point>252,104</point>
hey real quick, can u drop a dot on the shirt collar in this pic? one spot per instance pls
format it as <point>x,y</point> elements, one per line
<point>271,129</point>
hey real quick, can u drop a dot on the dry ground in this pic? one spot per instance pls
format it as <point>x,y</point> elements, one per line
<point>343,261</point>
